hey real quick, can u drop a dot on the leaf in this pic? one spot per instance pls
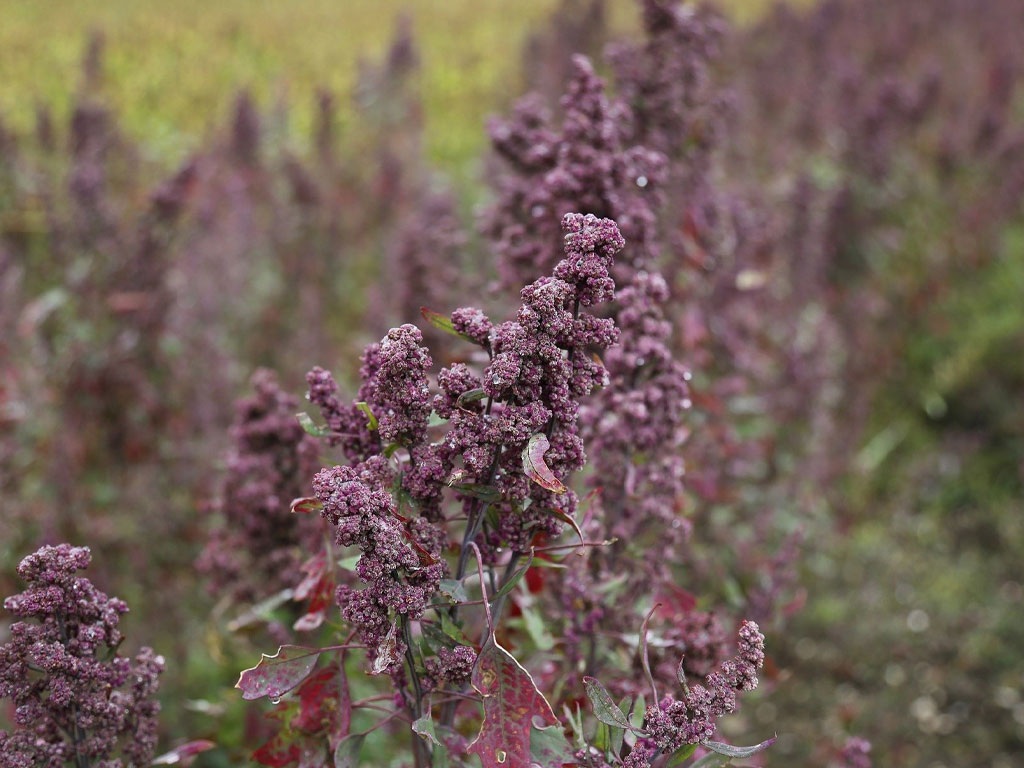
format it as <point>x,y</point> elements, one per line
<point>435,420</point>
<point>318,588</point>
<point>712,760</point>
<point>275,675</point>
<point>425,728</point>
<point>511,704</point>
<point>371,420</point>
<point>310,428</point>
<point>537,629</point>
<point>306,505</point>
<point>319,698</point>
<point>567,518</point>
<point>681,755</point>
<point>262,611</point>
<point>470,396</point>
<point>184,754</point>
<point>730,751</point>
<point>454,590</point>
<point>549,747</point>
<point>534,466</point>
<point>480,491</point>
<point>346,754</point>
<point>605,709</point>
<point>444,323</point>
<point>277,752</point>
<point>513,579</point>
<point>387,654</point>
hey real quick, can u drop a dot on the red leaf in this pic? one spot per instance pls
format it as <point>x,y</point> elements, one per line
<point>534,466</point>
<point>317,697</point>
<point>318,587</point>
<point>277,753</point>
<point>511,704</point>
<point>306,505</point>
<point>275,675</point>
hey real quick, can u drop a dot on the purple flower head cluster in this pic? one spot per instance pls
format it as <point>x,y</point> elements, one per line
<point>637,424</point>
<point>665,78</point>
<point>75,698</point>
<point>673,723</point>
<point>400,562</point>
<point>260,545</point>
<point>452,666</point>
<point>584,165</point>
<point>540,369</point>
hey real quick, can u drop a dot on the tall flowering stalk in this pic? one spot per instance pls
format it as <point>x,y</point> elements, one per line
<point>457,483</point>
<point>77,701</point>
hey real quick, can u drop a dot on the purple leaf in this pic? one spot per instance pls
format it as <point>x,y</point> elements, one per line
<point>511,705</point>
<point>534,466</point>
<point>275,675</point>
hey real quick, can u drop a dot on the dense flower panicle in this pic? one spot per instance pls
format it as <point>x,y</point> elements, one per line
<point>74,696</point>
<point>401,391</point>
<point>400,563</point>
<point>540,369</point>
<point>260,545</point>
<point>452,666</point>
<point>673,722</point>
<point>584,165</point>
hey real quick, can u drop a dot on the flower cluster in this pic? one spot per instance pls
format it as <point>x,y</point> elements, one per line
<point>75,697</point>
<point>672,723</point>
<point>584,165</point>
<point>259,546</point>
<point>400,562</point>
<point>452,666</point>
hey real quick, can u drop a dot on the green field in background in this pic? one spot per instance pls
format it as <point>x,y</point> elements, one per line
<point>172,68</point>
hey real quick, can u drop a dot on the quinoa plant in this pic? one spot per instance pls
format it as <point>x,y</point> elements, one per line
<point>451,491</point>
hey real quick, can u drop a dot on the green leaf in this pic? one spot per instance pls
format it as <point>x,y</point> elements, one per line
<point>712,760</point>
<point>681,755</point>
<point>454,590</point>
<point>453,630</point>
<point>346,754</point>
<point>312,429</point>
<point>730,751</point>
<point>487,493</point>
<point>603,738</point>
<point>549,748</point>
<point>537,629</point>
<point>371,420</point>
<point>425,728</point>
<point>443,323</point>
<point>470,396</point>
<point>514,579</point>
<point>576,722</point>
<point>435,420</point>
<point>639,710</point>
<point>605,709</point>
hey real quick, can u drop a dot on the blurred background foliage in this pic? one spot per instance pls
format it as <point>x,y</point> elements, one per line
<point>173,68</point>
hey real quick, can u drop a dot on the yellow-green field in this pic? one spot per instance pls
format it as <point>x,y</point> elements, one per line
<point>172,68</point>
